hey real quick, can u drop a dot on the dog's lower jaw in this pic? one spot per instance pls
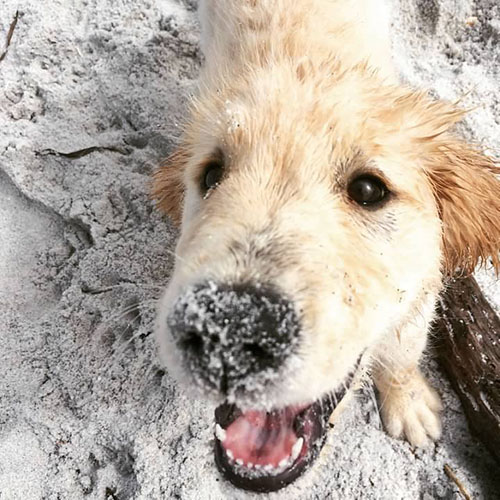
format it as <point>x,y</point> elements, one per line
<point>265,451</point>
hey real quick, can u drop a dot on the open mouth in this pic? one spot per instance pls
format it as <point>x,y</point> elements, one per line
<point>264,451</point>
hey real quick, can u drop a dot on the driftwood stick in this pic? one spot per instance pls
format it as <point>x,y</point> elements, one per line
<point>468,345</point>
<point>454,478</point>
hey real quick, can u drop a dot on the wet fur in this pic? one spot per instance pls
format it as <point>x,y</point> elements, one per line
<point>298,98</point>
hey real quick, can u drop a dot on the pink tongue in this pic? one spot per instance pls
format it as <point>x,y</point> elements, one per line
<point>262,438</point>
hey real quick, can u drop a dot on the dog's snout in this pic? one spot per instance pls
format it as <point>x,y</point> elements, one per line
<point>232,334</point>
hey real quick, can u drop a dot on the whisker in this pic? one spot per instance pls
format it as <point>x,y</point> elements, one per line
<point>131,307</point>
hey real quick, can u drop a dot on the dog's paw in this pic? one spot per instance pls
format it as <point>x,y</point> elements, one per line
<point>410,407</point>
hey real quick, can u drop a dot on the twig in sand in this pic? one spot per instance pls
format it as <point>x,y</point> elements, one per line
<point>454,478</point>
<point>83,152</point>
<point>12,27</point>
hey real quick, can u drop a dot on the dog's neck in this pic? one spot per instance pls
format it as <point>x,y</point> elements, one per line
<point>259,33</point>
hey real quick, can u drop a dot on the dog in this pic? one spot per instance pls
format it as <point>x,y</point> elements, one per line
<point>322,205</point>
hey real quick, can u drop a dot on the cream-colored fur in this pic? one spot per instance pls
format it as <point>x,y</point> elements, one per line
<point>300,97</point>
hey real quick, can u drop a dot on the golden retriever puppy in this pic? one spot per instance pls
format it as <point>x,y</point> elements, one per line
<point>321,204</point>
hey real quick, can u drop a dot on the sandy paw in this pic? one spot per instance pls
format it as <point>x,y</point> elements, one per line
<point>410,407</point>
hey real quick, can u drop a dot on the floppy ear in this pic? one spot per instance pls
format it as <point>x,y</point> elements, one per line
<point>168,184</point>
<point>467,189</point>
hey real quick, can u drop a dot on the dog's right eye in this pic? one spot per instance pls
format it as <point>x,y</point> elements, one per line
<point>212,176</point>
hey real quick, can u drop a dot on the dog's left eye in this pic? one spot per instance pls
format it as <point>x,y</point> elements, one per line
<point>367,190</point>
<point>212,175</point>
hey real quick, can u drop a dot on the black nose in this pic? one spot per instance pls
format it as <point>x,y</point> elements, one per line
<point>230,334</point>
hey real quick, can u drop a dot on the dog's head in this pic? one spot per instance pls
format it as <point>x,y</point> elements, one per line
<point>317,214</point>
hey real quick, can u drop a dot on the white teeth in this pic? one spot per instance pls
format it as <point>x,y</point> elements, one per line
<point>297,447</point>
<point>220,432</point>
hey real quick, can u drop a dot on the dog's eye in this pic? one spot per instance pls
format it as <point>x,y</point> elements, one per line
<point>367,190</point>
<point>212,175</point>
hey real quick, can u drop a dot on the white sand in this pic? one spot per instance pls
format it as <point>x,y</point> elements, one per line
<point>83,413</point>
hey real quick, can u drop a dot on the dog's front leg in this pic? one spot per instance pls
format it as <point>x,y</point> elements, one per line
<point>409,406</point>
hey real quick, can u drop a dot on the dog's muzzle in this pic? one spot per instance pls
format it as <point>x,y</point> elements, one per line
<point>231,336</point>
<point>235,341</point>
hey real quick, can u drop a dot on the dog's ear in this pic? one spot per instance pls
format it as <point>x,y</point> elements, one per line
<point>168,184</point>
<point>467,189</point>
